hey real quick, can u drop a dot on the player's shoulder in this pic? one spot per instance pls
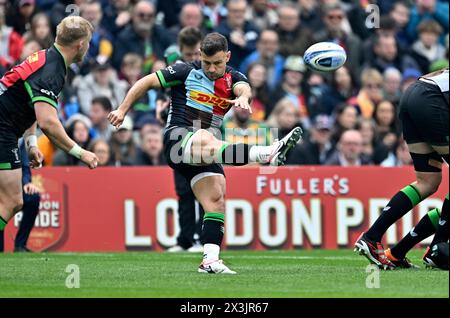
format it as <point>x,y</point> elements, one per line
<point>235,73</point>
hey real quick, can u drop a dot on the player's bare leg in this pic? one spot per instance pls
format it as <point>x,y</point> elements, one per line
<point>11,200</point>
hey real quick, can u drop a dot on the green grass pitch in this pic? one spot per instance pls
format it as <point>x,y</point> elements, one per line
<point>261,274</point>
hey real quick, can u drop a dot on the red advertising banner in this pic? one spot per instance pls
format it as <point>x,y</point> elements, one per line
<point>119,209</point>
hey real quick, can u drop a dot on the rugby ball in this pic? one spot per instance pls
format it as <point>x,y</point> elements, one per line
<point>325,56</point>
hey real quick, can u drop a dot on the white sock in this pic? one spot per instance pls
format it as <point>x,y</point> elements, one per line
<point>211,252</point>
<point>255,152</point>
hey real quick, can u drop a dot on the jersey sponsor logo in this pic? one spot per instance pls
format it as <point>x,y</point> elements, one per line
<point>209,99</point>
<point>49,93</point>
<point>33,57</point>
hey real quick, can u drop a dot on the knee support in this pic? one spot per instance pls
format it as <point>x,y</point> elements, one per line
<point>430,162</point>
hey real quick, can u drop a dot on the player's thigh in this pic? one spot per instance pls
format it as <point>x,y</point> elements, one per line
<point>10,188</point>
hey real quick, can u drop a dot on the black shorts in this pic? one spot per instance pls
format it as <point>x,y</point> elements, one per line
<point>176,141</point>
<point>424,115</point>
<point>9,150</point>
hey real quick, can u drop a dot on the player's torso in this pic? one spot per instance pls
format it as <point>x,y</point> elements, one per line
<point>17,85</point>
<point>201,102</point>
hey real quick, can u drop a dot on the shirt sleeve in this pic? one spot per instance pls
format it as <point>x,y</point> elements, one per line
<point>174,74</point>
<point>43,88</point>
<point>238,78</point>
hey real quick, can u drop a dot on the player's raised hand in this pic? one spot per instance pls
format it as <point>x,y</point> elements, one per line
<point>36,157</point>
<point>89,159</point>
<point>116,117</point>
<point>241,102</point>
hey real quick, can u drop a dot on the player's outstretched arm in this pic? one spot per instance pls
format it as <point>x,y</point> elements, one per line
<point>47,119</point>
<point>243,94</point>
<point>136,91</point>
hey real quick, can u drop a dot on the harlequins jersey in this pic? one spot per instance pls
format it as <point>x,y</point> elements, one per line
<point>40,78</point>
<point>197,98</point>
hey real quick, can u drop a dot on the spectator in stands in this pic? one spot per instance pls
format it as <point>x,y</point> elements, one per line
<point>78,128</point>
<point>392,79</point>
<point>386,124</point>
<point>349,151</point>
<point>400,13</point>
<point>427,48</point>
<point>150,151</point>
<point>116,16</point>
<point>102,81</point>
<point>387,55</point>
<point>261,14</point>
<point>40,31</point>
<point>333,16</point>
<point>293,36</point>
<point>257,75</point>
<point>100,47</point>
<point>426,10</point>
<point>388,27</point>
<point>190,16</point>
<point>400,157</point>
<point>316,148</point>
<point>372,148</point>
<point>241,35</point>
<point>241,128</point>
<point>142,36</point>
<point>169,11</point>
<point>371,91</point>
<point>102,150</point>
<point>131,68</point>
<point>345,118</point>
<point>29,48</point>
<point>291,87</point>
<point>310,14</point>
<point>62,9</point>
<point>11,45</point>
<point>342,89</point>
<point>98,114</point>
<point>267,53</point>
<point>214,12</point>
<point>123,147</point>
<point>20,14</point>
<point>409,76</point>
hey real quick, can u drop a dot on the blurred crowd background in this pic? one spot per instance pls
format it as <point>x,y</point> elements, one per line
<point>349,116</point>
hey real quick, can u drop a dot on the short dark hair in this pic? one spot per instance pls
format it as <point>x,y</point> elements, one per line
<point>213,43</point>
<point>103,101</point>
<point>189,36</point>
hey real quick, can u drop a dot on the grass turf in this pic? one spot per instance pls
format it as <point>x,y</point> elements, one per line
<point>261,274</point>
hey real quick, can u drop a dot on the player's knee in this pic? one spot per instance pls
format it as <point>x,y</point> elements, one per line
<point>16,204</point>
<point>204,136</point>
<point>217,200</point>
<point>429,183</point>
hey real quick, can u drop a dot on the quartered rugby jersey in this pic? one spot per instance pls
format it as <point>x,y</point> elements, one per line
<point>40,78</point>
<point>197,98</point>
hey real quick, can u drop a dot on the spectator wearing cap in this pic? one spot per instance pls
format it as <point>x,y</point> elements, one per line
<point>78,129</point>
<point>342,89</point>
<point>261,14</point>
<point>102,81</point>
<point>333,17</point>
<point>142,36</point>
<point>20,14</point>
<point>428,10</point>
<point>241,34</point>
<point>349,151</point>
<point>427,48</point>
<point>11,45</point>
<point>98,114</point>
<point>267,54</point>
<point>409,76</point>
<point>291,87</point>
<point>293,36</point>
<point>316,148</point>
<point>123,147</point>
<point>100,46</point>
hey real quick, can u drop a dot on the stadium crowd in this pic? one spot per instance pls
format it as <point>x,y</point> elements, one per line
<point>349,116</point>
